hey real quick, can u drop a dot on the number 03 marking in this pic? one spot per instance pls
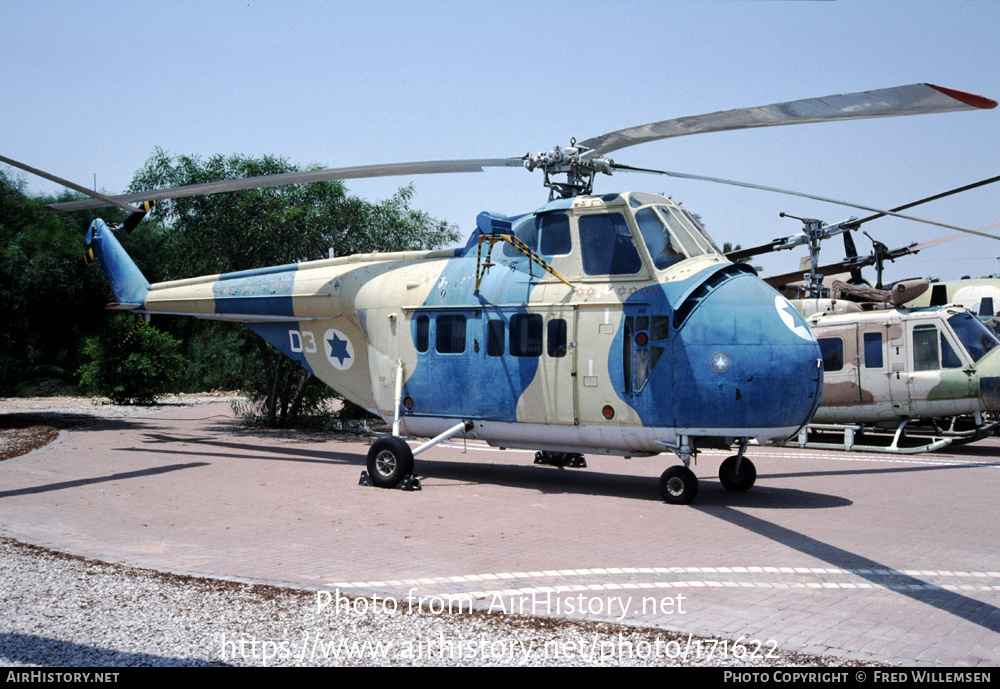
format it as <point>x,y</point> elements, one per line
<point>301,341</point>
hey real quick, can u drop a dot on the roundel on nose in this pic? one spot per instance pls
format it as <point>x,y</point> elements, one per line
<point>790,317</point>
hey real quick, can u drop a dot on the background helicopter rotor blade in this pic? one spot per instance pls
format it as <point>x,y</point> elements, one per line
<point>848,264</point>
<point>363,171</point>
<point>854,224</point>
<point>916,99</point>
<point>957,190</point>
<point>101,199</point>
<point>814,197</point>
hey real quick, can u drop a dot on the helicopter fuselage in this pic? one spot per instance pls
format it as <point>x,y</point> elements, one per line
<point>888,365</point>
<point>639,335</point>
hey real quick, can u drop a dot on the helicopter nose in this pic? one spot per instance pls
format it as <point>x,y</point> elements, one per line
<point>757,366</point>
<point>988,371</point>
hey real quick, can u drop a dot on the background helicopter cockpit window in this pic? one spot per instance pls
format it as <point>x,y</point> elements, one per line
<point>974,336</point>
<point>925,350</point>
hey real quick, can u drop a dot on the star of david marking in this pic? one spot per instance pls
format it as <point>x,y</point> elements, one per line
<point>338,349</point>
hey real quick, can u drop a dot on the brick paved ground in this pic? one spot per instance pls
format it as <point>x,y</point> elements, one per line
<point>864,556</point>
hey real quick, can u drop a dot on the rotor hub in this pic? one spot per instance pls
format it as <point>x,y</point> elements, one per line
<point>579,163</point>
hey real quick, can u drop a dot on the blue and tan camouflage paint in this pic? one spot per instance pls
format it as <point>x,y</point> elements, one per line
<point>735,359</point>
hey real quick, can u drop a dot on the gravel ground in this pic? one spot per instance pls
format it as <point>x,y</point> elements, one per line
<point>63,610</point>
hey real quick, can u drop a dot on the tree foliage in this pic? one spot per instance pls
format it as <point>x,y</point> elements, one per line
<point>254,228</point>
<point>51,303</point>
<point>131,362</point>
<point>44,291</point>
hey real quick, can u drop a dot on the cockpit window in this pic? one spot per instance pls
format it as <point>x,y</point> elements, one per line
<point>657,238</point>
<point>548,234</point>
<point>701,230</point>
<point>606,245</point>
<point>672,234</point>
<point>554,234</point>
<point>691,240</point>
<point>925,350</point>
<point>974,336</point>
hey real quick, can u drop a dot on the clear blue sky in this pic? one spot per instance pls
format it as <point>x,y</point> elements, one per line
<point>90,88</point>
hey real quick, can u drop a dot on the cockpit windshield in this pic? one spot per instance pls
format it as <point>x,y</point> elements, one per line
<point>671,235</point>
<point>974,336</point>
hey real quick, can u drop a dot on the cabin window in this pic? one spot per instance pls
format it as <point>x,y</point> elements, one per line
<point>557,337</point>
<point>495,334</point>
<point>606,245</point>
<point>873,350</point>
<point>833,353</point>
<point>526,334</point>
<point>421,333</point>
<point>450,338</point>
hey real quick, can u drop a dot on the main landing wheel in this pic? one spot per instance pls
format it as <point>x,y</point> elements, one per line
<point>678,485</point>
<point>738,481</point>
<point>389,460</point>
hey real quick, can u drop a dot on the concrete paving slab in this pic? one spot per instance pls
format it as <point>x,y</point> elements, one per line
<point>864,556</point>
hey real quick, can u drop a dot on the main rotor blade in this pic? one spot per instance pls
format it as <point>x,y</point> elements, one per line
<point>364,171</point>
<point>104,200</point>
<point>916,99</point>
<point>773,246</point>
<point>814,197</point>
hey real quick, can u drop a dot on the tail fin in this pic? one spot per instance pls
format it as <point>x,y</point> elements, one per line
<point>127,282</point>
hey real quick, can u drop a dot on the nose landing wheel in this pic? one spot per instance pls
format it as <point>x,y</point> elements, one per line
<point>737,474</point>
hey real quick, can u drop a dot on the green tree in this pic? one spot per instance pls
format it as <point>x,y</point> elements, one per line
<point>254,228</point>
<point>131,362</point>
<point>48,300</point>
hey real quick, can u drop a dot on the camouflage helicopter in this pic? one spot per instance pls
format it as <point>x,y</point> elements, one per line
<point>979,295</point>
<point>890,362</point>
<point>606,323</point>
